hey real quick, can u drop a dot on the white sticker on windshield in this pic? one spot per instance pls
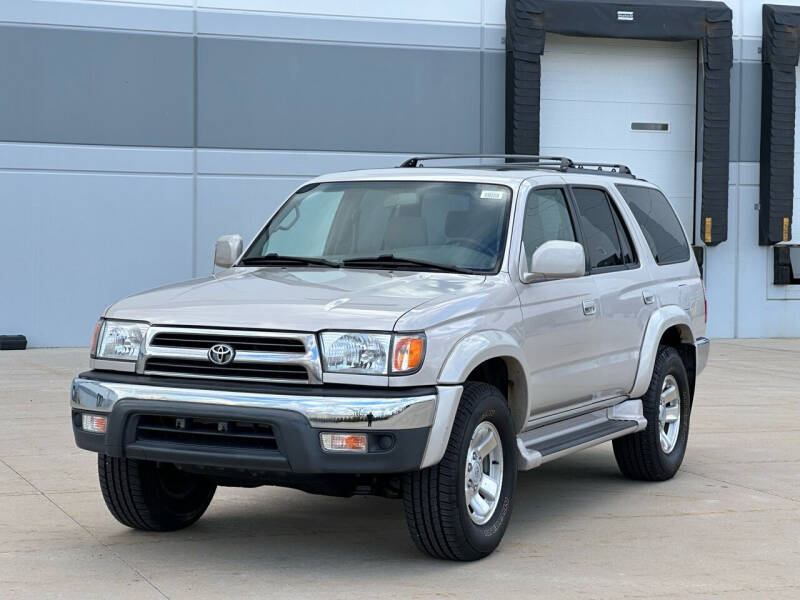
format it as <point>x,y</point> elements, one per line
<point>491,195</point>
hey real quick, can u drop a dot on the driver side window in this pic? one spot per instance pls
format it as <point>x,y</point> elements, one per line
<point>546,218</point>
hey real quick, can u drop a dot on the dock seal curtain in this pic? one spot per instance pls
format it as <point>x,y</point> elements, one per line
<point>779,52</point>
<point>527,21</point>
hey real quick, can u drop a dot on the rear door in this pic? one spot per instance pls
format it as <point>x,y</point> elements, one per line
<point>624,298</point>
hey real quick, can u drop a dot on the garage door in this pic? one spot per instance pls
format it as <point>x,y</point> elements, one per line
<point>624,101</point>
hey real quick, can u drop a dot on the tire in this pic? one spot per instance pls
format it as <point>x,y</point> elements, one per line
<point>435,499</point>
<point>646,455</point>
<point>152,496</point>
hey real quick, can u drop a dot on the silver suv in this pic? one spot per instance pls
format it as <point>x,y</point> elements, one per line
<point>417,333</point>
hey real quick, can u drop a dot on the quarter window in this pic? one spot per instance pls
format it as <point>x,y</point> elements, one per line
<point>659,223</point>
<point>546,218</point>
<point>628,253</point>
<point>599,228</point>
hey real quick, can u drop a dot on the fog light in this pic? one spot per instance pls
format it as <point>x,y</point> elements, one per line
<point>344,442</point>
<point>94,423</point>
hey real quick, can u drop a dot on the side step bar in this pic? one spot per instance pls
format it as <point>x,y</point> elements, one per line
<point>546,443</point>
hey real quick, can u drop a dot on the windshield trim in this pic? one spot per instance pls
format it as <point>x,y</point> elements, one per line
<point>308,186</point>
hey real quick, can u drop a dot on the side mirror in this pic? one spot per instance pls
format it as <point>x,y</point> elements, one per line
<point>227,250</point>
<point>556,259</point>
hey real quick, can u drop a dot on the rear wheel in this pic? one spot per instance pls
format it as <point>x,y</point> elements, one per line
<point>656,453</point>
<point>152,496</point>
<point>460,508</point>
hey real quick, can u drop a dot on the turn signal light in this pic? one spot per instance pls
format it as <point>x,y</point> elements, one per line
<point>343,442</point>
<point>94,423</point>
<point>408,353</point>
<point>95,337</point>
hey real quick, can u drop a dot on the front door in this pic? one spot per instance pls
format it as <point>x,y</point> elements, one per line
<point>561,320</point>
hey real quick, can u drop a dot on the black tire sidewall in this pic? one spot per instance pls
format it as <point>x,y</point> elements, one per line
<point>169,511</point>
<point>670,363</point>
<point>492,408</point>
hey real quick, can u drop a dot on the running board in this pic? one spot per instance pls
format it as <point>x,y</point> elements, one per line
<point>548,442</point>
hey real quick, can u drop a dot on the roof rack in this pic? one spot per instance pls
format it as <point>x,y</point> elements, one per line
<point>522,161</point>
<point>528,159</point>
<point>614,167</point>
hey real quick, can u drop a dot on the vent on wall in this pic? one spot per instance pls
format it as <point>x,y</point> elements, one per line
<point>650,127</point>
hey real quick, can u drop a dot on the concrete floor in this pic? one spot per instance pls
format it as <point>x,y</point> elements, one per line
<point>727,526</point>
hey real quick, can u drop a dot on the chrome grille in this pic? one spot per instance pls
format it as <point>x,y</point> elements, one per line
<point>238,343</point>
<point>239,370</point>
<point>276,357</point>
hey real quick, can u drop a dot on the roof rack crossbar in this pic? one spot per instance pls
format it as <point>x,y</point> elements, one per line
<point>562,161</point>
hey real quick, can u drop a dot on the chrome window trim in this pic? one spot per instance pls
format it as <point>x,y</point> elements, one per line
<point>310,359</point>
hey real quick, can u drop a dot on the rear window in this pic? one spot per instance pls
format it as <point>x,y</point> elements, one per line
<point>659,223</point>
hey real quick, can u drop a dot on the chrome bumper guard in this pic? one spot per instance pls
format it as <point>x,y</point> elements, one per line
<point>328,412</point>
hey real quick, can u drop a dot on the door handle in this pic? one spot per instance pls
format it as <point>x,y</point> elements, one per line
<point>589,307</point>
<point>648,297</point>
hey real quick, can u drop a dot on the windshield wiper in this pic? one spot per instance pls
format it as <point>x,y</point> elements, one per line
<point>275,259</point>
<point>390,260</point>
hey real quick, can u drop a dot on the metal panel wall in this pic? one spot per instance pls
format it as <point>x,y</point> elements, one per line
<point>133,135</point>
<point>95,87</point>
<point>305,96</point>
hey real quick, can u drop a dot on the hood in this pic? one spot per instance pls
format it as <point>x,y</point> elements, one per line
<point>293,299</point>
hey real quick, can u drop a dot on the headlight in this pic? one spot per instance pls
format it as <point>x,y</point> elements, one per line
<point>120,340</point>
<point>369,353</point>
<point>365,353</point>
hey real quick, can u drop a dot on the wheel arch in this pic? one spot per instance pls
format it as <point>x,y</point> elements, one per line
<point>671,326</point>
<point>680,337</point>
<point>476,357</point>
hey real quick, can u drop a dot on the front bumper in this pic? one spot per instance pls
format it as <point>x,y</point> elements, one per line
<point>397,423</point>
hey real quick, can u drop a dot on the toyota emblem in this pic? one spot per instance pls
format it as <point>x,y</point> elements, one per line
<point>221,354</point>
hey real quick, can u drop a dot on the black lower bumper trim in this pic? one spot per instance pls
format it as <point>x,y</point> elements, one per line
<point>298,444</point>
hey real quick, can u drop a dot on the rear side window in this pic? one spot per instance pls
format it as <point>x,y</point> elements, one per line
<point>659,223</point>
<point>606,241</point>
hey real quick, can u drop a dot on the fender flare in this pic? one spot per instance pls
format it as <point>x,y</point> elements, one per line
<point>467,354</point>
<point>479,347</point>
<point>661,320</point>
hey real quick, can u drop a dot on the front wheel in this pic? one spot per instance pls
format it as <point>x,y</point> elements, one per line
<point>152,496</point>
<point>460,508</point>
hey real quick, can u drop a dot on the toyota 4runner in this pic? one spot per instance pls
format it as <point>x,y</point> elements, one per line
<point>417,333</point>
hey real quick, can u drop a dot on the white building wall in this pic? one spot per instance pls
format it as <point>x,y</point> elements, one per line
<point>89,223</point>
<point>743,302</point>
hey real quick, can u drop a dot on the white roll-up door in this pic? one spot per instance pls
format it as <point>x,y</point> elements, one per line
<point>624,101</point>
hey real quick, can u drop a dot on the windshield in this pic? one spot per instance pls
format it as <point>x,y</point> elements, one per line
<point>453,224</point>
